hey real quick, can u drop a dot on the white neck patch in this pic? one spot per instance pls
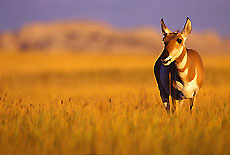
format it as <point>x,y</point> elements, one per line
<point>183,62</point>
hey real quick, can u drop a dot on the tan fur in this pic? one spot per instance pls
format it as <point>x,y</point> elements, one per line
<point>188,62</point>
<point>180,59</point>
<point>193,59</point>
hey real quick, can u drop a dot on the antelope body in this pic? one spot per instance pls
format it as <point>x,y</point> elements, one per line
<point>179,71</point>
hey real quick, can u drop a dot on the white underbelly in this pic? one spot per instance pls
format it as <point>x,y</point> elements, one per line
<point>188,88</point>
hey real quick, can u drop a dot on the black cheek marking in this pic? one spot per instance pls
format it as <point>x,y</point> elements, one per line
<point>166,43</point>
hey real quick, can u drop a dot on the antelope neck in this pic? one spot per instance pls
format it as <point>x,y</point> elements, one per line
<point>181,61</point>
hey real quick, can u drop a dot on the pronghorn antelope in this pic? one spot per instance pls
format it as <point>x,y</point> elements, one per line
<point>179,71</point>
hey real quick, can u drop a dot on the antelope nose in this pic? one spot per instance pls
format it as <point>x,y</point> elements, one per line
<point>165,54</point>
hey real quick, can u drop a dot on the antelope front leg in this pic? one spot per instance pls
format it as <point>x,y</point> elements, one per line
<point>167,106</point>
<point>176,105</point>
<point>179,104</point>
<point>173,105</point>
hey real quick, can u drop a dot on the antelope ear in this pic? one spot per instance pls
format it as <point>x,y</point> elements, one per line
<point>187,28</point>
<point>164,28</point>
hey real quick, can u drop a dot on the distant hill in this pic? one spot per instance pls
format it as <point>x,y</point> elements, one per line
<point>82,36</point>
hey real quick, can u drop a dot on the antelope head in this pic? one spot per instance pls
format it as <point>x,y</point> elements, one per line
<point>174,42</point>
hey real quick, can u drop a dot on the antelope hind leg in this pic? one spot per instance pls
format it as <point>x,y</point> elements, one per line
<point>192,101</point>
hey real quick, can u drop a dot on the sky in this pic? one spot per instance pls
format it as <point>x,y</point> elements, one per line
<point>205,14</point>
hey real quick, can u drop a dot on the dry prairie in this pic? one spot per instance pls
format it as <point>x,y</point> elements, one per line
<point>106,104</point>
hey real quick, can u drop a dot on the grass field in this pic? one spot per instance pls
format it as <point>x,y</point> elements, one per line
<point>106,104</point>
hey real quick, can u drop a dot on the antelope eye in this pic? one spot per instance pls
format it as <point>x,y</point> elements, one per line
<point>179,40</point>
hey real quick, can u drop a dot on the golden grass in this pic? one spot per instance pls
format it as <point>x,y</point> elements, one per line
<point>106,104</point>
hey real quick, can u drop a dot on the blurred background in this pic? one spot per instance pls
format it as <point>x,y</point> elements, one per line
<point>76,77</point>
<point>111,25</point>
